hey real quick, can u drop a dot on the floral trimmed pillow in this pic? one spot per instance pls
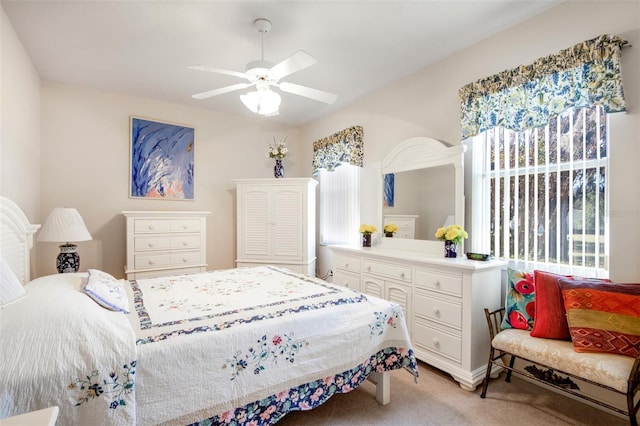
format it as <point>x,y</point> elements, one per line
<point>520,300</point>
<point>106,291</point>
<point>603,317</point>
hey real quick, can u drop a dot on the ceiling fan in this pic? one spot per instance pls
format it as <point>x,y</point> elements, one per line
<point>264,75</point>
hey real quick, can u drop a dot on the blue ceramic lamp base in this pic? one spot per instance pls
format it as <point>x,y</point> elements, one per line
<point>68,260</point>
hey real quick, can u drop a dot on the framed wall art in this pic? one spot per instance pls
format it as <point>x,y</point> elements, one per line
<point>389,188</point>
<point>162,160</point>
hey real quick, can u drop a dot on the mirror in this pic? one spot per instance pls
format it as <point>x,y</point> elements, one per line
<point>422,185</point>
<point>419,201</point>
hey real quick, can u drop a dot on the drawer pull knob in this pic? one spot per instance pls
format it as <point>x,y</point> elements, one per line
<point>402,275</point>
<point>184,226</point>
<point>151,245</point>
<point>369,268</point>
<point>437,284</point>
<point>151,262</point>
<point>436,312</point>
<point>185,260</point>
<point>346,266</point>
<point>436,343</point>
<point>184,243</point>
<point>150,227</point>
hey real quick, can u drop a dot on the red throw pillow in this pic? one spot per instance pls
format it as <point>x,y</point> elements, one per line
<point>550,316</point>
<point>603,317</point>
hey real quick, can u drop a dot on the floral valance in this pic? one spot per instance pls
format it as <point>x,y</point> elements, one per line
<point>345,146</point>
<point>528,96</point>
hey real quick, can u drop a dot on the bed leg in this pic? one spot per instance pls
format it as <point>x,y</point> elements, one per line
<point>383,386</point>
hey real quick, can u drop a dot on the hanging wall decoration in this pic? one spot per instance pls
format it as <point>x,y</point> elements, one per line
<point>162,160</point>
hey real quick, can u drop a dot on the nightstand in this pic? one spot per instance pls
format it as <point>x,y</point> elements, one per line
<point>45,417</point>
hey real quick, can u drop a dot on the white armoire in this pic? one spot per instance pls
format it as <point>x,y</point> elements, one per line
<point>276,223</point>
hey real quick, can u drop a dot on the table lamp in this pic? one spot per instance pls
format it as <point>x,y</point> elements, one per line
<point>64,225</point>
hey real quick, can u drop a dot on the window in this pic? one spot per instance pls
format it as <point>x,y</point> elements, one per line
<point>340,205</point>
<point>540,195</point>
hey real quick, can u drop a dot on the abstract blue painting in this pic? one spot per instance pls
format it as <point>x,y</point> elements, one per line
<point>389,187</point>
<point>162,157</point>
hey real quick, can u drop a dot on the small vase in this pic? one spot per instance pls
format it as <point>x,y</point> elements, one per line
<point>388,234</point>
<point>278,169</point>
<point>366,240</point>
<point>450,249</point>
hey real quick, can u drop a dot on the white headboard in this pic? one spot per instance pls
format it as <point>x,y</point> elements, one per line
<point>16,239</point>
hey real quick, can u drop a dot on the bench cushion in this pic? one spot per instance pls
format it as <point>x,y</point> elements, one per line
<point>607,369</point>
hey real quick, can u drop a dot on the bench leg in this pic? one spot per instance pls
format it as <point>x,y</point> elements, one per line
<point>485,385</point>
<point>632,408</point>
<point>511,362</point>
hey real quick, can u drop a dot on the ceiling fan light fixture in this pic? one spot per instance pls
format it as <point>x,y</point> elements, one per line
<point>262,101</point>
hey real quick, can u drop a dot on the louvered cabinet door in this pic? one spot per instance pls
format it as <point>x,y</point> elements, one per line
<point>276,223</point>
<point>287,223</point>
<point>254,229</point>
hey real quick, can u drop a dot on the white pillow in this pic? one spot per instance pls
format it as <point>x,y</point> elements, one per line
<point>11,289</point>
<point>106,291</point>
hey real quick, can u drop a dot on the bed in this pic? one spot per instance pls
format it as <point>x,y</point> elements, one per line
<point>237,346</point>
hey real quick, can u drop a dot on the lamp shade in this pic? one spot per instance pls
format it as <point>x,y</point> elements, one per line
<point>64,224</point>
<point>263,101</point>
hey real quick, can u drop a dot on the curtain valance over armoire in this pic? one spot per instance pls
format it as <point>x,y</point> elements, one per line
<point>345,146</point>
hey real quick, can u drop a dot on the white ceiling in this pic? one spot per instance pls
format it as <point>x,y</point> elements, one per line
<point>143,48</point>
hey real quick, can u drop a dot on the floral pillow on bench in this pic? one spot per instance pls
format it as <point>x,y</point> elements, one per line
<point>519,300</point>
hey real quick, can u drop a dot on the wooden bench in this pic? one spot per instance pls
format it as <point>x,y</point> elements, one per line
<point>616,373</point>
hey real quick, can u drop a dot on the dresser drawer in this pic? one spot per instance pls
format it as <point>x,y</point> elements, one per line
<point>185,225</point>
<point>152,260</point>
<point>404,233</point>
<point>443,282</point>
<point>151,243</point>
<point>387,270</point>
<point>405,224</point>
<point>345,279</point>
<point>437,341</point>
<point>185,242</point>
<point>185,258</point>
<point>436,309</point>
<point>157,226</point>
<point>346,263</point>
<point>150,226</point>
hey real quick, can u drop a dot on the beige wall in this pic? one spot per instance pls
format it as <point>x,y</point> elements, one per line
<point>426,104</point>
<point>84,147</point>
<point>85,164</point>
<point>19,123</point>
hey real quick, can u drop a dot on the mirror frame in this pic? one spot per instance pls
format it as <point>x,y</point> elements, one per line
<point>422,153</point>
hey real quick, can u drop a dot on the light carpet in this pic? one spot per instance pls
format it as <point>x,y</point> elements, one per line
<point>438,400</point>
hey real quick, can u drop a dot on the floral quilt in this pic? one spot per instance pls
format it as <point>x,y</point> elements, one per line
<point>248,345</point>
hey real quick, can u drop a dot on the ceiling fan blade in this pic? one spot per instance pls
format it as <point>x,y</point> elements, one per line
<point>308,92</point>
<point>218,70</point>
<point>296,62</point>
<point>221,91</point>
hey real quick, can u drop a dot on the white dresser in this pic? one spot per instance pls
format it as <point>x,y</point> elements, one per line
<point>407,224</point>
<point>276,223</point>
<point>443,300</point>
<point>165,243</point>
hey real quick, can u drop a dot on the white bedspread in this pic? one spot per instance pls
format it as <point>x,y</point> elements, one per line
<point>60,348</point>
<point>224,346</point>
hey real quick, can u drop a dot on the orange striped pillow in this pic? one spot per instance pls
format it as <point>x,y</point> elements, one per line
<point>603,317</point>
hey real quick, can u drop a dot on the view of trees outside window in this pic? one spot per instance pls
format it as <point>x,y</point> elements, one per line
<point>548,190</point>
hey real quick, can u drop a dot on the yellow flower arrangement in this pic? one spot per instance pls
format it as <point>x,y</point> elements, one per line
<point>390,228</point>
<point>453,233</point>
<point>367,229</point>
